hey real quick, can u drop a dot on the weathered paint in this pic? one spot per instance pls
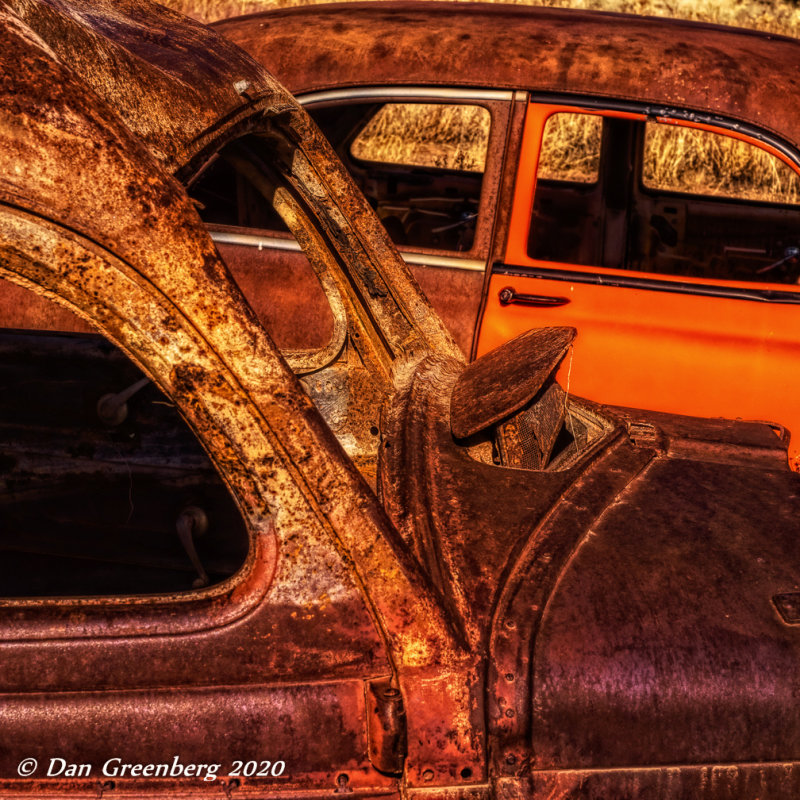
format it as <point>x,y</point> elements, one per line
<point>693,65</point>
<point>624,582</point>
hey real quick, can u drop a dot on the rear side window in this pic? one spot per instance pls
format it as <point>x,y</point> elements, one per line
<point>695,161</point>
<point>568,201</point>
<point>450,137</point>
<point>571,148</point>
<point>104,490</point>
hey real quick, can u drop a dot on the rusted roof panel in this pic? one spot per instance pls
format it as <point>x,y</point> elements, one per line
<point>743,74</point>
<point>65,156</point>
<point>171,80</point>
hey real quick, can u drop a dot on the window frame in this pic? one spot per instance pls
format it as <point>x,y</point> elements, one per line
<point>105,617</point>
<point>540,107</point>
<point>499,103</point>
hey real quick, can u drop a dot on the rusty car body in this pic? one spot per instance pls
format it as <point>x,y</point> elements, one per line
<point>685,296</point>
<point>480,586</point>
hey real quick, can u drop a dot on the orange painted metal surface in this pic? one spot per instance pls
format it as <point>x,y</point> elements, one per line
<point>675,352</point>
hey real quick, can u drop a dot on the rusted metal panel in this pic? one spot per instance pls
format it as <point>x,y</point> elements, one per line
<point>455,295</point>
<point>721,440</point>
<point>705,782</point>
<point>541,49</point>
<point>322,549</point>
<point>178,285</point>
<point>651,660</point>
<point>444,505</point>
<point>370,288</point>
<point>218,727</point>
<point>580,625</point>
<point>174,82</point>
<point>496,386</point>
<point>285,294</point>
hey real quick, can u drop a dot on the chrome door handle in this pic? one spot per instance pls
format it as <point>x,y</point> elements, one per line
<point>508,296</point>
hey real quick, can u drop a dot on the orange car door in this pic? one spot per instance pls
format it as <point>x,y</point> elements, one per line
<point>672,246</point>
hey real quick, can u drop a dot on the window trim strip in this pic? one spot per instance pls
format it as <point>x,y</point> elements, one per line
<point>279,243</point>
<point>404,92</point>
<point>648,284</point>
<point>657,111</point>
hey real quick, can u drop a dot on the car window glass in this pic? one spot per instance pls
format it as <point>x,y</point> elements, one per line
<point>669,200</point>
<point>100,494</point>
<point>420,165</point>
<point>453,137</point>
<point>570,148</point>
<point>693,161</point>
<point>564,226</point>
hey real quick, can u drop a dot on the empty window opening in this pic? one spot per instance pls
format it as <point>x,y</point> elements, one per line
<point>104,490</point>
<point>451,137</point>
<point>280,285</point>
<point>567,206</point>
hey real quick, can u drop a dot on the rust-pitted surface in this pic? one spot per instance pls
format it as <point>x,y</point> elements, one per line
<point>460,516</point>
<point>455,294</point>
<point>173,81</point>
<point>499,384</point>
<point>308,600</point>
<point>691,65</point>
<point>140,60</point>
<point>192,721</point>
<point>615,621</point>
<point>672,605</point>
<point>167,299</point>
<point>673,612</point>
<point>717,782</point>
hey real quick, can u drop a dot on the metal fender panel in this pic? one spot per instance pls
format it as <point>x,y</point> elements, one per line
<point>662,643</point>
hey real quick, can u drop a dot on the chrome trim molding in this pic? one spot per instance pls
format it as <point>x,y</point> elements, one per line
<point>279,243</point>
<point>253,240</point>
<point>397,92</point>
<point>449,262</point>
<point>654,111</point>
<point>634,281</point>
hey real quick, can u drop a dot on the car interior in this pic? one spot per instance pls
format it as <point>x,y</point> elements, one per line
<point>422,202</point>
<point>419,204</point>
<point>623,220</point>
<point>105,489</point>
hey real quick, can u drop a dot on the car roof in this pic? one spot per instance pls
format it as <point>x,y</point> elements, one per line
<point>172,81</point>
<point>742,74</point>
